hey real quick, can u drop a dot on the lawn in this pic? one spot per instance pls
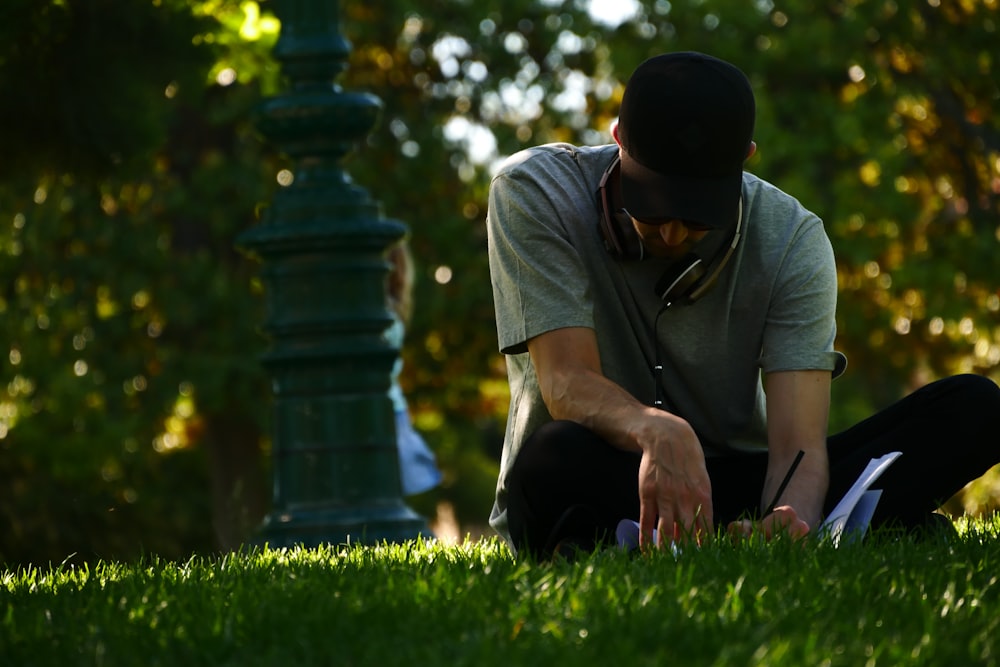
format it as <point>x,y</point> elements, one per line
<point>884,602</point>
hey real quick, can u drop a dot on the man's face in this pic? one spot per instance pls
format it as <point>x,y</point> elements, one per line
<point>671,238</point>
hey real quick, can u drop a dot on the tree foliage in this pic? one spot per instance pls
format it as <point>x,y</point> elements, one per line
<point>133,412</point>
<point>131,402</point>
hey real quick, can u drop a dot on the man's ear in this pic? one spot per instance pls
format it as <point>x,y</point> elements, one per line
<point>614,132</point>
<point>751,150</point>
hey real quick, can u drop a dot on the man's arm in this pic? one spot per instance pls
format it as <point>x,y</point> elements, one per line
<point>673,481</point>
<point>798,409</point>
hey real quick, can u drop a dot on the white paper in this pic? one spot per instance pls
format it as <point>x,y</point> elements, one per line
<point>861,515</point>
<point>854,511</point>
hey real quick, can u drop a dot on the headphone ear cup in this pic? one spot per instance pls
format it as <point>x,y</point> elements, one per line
<point>620,238</point>
<point>612,241</point>
<point>626,238</point>
<point>681,279</point>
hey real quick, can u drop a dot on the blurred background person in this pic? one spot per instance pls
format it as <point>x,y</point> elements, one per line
<point>418,469</point>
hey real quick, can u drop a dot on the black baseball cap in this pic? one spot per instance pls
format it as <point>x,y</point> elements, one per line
<point>685,124</point>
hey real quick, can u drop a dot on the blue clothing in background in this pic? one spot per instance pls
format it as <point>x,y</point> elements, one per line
<point>418,469</point>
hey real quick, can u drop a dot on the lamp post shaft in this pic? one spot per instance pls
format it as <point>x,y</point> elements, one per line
<point>322,246</point>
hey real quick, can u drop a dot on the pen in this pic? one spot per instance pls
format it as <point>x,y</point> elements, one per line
<point>784,482</point>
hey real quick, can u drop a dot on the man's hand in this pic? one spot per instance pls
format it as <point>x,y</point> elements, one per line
<point>784,520</point>
<point>675,493</point>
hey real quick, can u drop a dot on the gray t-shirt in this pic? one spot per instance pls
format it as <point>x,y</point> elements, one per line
<point>772,308</point>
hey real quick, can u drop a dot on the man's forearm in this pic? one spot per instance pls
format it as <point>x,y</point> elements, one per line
<point>806,490</point>
<point>599,404</point>
<point>798,407</point>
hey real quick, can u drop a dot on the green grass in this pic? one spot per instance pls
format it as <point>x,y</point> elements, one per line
<point>887,602</point>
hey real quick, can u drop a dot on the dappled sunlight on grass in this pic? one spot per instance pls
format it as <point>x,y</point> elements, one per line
<point>890,601</point>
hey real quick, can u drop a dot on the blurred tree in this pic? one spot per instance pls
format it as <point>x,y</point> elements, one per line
<point>128,317</point>
<point>86,81</point>
<point>130,384</point>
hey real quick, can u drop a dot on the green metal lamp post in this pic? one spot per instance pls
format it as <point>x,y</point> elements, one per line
<point>322,246</point>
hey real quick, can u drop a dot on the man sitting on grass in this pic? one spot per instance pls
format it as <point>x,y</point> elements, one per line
<point>669,322</point>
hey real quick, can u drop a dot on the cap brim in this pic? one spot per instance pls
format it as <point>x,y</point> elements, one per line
<point>651,195</point>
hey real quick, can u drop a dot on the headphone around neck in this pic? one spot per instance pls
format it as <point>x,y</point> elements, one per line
<point>687,279</point>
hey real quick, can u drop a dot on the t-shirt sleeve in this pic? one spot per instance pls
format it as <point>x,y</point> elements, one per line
<point>801,320</point>
<point>537,274</point>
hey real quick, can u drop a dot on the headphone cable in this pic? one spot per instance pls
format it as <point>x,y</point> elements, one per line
<point>658,364</point>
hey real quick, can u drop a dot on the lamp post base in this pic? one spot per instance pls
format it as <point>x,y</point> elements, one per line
<point>350,525</point>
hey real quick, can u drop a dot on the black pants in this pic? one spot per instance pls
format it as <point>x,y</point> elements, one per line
<point>948,431</point>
